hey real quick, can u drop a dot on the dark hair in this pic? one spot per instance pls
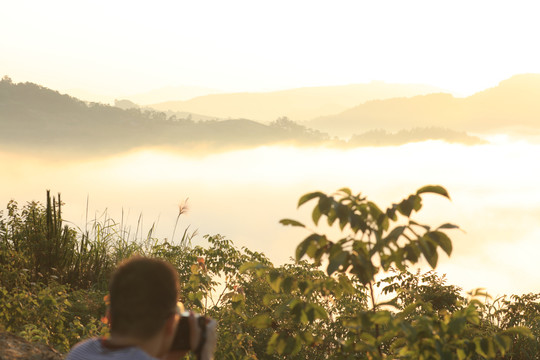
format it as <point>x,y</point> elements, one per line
<point>143,294</point>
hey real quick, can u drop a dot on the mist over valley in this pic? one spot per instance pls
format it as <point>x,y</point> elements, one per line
<point>35,117</point>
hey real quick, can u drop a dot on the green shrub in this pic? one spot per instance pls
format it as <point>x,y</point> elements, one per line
<point>46,313</point>
<point>320,308</point>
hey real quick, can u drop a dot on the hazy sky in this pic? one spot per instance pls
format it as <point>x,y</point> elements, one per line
<point>124,47</point>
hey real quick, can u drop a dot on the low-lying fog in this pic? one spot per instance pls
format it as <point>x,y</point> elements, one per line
<point>243,194</point>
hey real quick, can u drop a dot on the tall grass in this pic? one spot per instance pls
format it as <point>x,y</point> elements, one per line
<point>81,257</point>
<point>185,240</point>
<point>54,274</point>
<point>38,234</point>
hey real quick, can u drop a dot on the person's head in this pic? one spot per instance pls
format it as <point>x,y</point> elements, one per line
<point>143,296</point>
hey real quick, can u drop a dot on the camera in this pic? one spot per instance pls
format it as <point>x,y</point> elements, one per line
<point>183,333</point>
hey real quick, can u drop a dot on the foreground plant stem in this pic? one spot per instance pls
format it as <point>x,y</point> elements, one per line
<point>374,308</point>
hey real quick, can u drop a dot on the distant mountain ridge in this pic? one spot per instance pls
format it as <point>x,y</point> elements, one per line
<point>167,93</point>
<point>297,104</point>
<point>514,102</point>
<point>170,93</point>
<point>37,119</point>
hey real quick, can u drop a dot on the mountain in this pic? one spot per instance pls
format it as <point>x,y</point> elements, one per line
<point>128,104</point>
<point>297,104</point>
<point>37,118</point>
<point>153,96</point>
<point>385,138</point>
<point>513,103</point>
<point>170,93</point>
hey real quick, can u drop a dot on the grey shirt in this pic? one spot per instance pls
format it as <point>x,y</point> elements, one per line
<point>93,349</point>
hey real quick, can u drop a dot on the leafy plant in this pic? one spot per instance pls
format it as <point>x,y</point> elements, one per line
<point>322,307</point>
<point>375,241</point>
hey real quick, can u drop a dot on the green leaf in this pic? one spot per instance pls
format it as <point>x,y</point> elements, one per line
<point>307,338</point>
<point>394,235</point>
<point>281,344</point>
<point>412,252</point>
<point>503,343</point>
<point>406,206</point>
<point>336,260</point>
<point>253,265</point>
<point>318,312</point>
<point>435,189</point>
<point>417,205</point>
<point>429,251</point>
<point>471,314</point>
<point>316,215</point>
<point>393,303</point>
<point>274,279</point>
<point>237,297</point>
<point>519,330</point>
<point>442,240</point>
<point>317,248</point>
<point>342,213</point>
<point>272,344</point>
<point>448,226</point>
<point>308,197</point>
<point>302,248</point>
<point>297,345</point>
<point>368,338</point>
<point>305,245</point>
<point>268,298</point>
<point>412,222</point>
<point>287,284</point>
<point>408,309</point>
<point>391,212</point>
<point>298,313</point>
<point>331,216</point>
<point>291,222</point>
<point>384,222</point>
<point>484,347</point>
<point>261,321</point>
<point>381,317</point>
<point>456,325</point>
<point>325,204</point>
<point>374,210</point>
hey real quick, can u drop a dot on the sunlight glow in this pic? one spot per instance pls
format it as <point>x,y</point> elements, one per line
<point>241,45</point>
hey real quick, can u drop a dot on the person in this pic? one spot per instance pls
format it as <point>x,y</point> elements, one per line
<point>143,316</point>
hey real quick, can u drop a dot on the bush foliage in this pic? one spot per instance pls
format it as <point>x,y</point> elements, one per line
<point>322,306</point>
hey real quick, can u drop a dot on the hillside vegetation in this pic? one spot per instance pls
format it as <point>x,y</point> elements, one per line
<point>321,306</point>
<point>32,116</point>
<point>36,119</point>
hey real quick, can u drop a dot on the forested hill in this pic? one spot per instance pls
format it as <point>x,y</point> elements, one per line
<point>32,116</point>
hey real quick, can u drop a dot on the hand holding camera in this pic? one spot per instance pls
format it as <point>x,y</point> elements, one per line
<point>195,333</point>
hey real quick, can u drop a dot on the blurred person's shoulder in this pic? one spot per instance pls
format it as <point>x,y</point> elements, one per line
<point>95,349</point>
